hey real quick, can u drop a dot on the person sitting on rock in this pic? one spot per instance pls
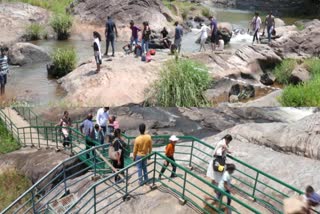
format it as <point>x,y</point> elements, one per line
<point>165,38</point>
<point>97,50</point>
<point>170,153</point>
<point>313,198</point>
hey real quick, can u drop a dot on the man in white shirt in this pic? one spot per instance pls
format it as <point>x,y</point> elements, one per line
<point>102,118</point>
<point>256,24</point>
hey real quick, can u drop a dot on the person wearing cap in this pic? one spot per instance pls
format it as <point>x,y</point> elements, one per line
<point>170,153</point>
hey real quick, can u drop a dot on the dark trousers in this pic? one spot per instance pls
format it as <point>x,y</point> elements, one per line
<point>66,140</point>
<point>166,164</point>
<point>110,39</point>
<point>255,36</point>
<point>118,166</point>
<point>219,196</point>
<point>89,144</point>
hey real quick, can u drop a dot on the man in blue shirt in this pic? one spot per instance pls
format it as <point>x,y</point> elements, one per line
<point>178,36</point>
<point>313,198</point>
<point>214,32</point>
<point>111,32</point>
<point>87,128</point>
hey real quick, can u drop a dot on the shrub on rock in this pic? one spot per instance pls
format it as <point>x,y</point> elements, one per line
<point>61,24</point>
<point>63,62</point>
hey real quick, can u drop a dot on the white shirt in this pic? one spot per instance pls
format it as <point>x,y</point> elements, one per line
<point>204,32</point>
<point>219,151</point>
<point>102,117</point>
<point>256,22</point>
<point>225,178</point>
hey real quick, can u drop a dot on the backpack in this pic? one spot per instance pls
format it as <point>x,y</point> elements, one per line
<point>219,164</point>
<point>152,52</point>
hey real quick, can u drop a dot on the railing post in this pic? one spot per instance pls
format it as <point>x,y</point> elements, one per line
<point>11,127</point>
<point>33,204</point>
<point>24,137</point>
<point>95,162</point>
<point>182,199</point>
<point>255,184</point>
<point>127,178</point>
<point>191,154</point>
<point>94,200</point>
<point>64,179</point>
<point>154,169</point>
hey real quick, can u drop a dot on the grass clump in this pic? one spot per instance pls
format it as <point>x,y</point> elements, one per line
<point>283,71</point>
<point>304,95</point>
<point>7,142</point>
<point>61,24</point>
<point>56,6</point>
<point>34,31</point>
<point>182,83</point>
<point>12,185</point>
<point>206,12</point>
<point>313,65</point>
<point>63,62</point>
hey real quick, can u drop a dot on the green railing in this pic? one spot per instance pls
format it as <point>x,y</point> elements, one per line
<point>105,195</point>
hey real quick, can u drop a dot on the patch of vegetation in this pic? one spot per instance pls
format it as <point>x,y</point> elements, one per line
<point>56,6</point>
<point>61,24</point>
<point>7,142</point>
<point>182,83</point>
<point>34,31</point>
<point>304,95</point>
<point>206,12</point>
<point>313,65</point>
<point>300,26</point>
<point>64,61</point>
<point>283,71</point>
<point>12,185</point>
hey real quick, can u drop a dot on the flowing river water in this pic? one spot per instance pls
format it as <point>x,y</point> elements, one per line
<point>32,84</point>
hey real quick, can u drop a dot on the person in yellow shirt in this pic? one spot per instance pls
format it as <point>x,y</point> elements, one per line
<point>170,153</point>
<point>142,147</point>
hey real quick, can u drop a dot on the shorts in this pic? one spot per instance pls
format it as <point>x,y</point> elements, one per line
<point>214,37</point>
<point>97,58</point>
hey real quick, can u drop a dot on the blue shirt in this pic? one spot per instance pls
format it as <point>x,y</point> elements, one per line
<point>179,32</point>
<point>110,26</point>
<point>87,127</point>
<point>315,197</point>
<point>214,26</point>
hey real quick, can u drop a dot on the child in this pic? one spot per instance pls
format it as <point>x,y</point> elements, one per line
<point>97,50</point>
<point>170,153</point>
<point>98,134</point>
<point>312,197</point>
<point>225,183</point>
<point>4,69</point>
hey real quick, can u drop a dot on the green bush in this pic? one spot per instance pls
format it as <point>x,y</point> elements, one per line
<point>304,95</point>
<point>182,83</point>
<point>206,12</point>
<point>63,62</point>
<point>34,31</point>
<point>185,13</point>
<point>61,24</point>
<point>313,65</point>
<point>283,71</point>
<point>7,142</point>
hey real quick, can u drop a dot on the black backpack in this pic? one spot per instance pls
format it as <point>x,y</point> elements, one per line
<point>219,164</point>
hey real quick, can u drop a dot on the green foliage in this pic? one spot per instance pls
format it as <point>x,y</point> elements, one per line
<point>206,12</point>
<point>61,24</point>
<point>300,26</point>
<point>12,185</point>
<point>7,142</point>
<point>34,31</point>
<point>283,71</point>
<point>185,13</point>
<point>305,95</point>
<point>63,61</point>
<point>313,65</point>
<point>56,6</point>
<point>182,83</point>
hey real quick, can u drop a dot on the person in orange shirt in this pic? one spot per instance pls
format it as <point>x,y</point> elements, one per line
<point>170,153</point>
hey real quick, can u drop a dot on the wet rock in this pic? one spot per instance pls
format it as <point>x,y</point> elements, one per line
<point>199,19</point>
<point>299,74</point>
<point>270,100</point>
<point>26,53</point>
<point>242,92</point>
<point>235,90</point>
<point>266,79</point>
<point>233,99</point>
<point>15,17</point>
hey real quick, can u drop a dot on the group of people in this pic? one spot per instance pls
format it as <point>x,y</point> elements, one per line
<point>4,69</point>
<point>256,26</point>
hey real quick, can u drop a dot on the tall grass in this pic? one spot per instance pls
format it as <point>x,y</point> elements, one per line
<point>304,95</point>
<point>313,65</point>
<point>283,71</point>
<point>182,83</point>
<point>34,31</point>
<point>7,142</point>
<point>61,24</point>
<point>206,12</point>
<point>56,6</point>
<point>64,61</point>
<point>12,185</point>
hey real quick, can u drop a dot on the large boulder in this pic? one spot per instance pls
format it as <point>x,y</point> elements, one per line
<point>26,53</point>
<point>15,17</point>
<point>122,11</point>
<point>299,74</point>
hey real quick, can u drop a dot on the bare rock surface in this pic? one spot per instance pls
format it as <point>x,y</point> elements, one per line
<point>15,17</point>
<point>23,53</point>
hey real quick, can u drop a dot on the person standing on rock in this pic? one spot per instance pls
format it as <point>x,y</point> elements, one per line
<point>170,153</point>
<point>134,34</point>
<point>146,32</point>
<point>97,49</point>
<point>86,128</point>
<point>178,36</point>
<point>270,23</point>
<point>65,123</point>
<point>111,32</point>
<point>4,69</point>
<point>256,24</point>
<point>214,32</point>
<point>102,119</point>
<point>142,147</point>
<point>203,36</point>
